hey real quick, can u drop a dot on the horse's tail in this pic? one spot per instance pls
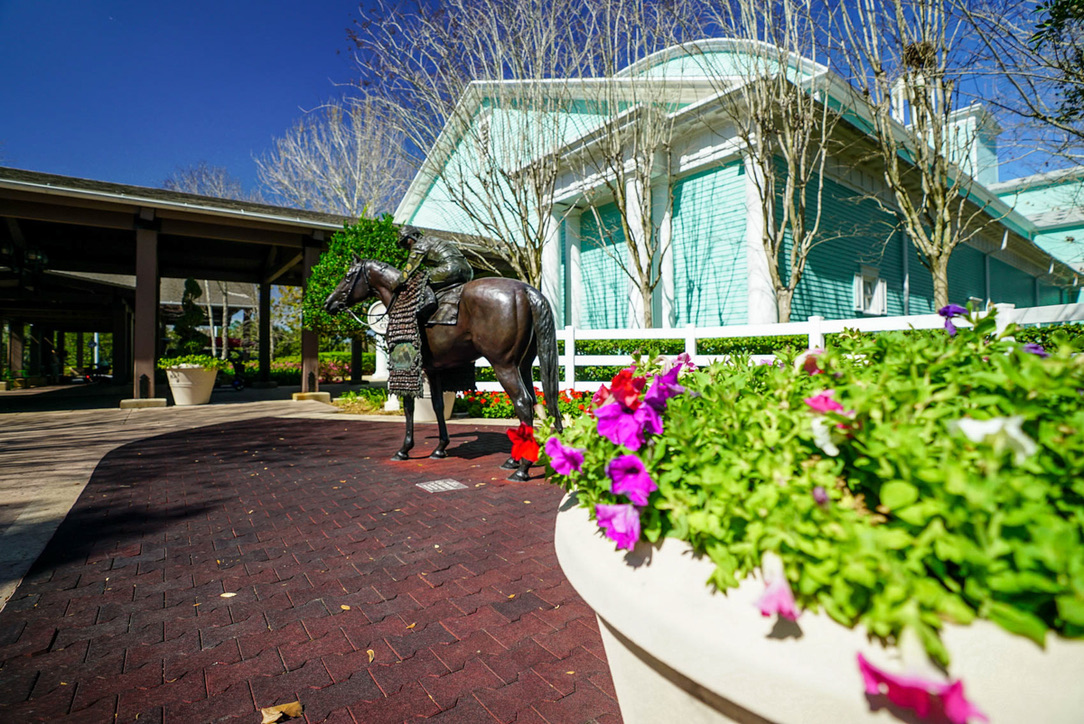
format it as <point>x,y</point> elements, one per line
<point>545,335</point>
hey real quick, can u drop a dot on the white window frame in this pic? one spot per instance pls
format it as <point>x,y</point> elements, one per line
<point>870,292</point>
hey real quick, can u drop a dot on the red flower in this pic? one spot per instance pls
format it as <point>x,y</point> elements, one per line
<point>524,446</point>
<point>627,388</point>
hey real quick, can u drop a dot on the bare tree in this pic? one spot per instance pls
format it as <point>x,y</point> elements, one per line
<point>343,158</point>
<point>1036,52</point>
<point>629,153</point>
<point>909,59</point>
<point>480,85</point>
<point>207,180</point>
<point>774,95</point>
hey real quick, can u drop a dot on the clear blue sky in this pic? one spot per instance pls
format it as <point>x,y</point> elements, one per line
<point>127,91</point>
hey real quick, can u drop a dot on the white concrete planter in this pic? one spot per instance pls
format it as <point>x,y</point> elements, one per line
<point>680,652</point>
<point>191,385</point>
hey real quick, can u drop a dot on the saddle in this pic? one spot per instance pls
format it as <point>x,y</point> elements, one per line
<point>441,307</point>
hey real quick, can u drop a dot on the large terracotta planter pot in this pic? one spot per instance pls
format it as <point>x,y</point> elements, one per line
<point>680,652</point>
<point>191,385</point>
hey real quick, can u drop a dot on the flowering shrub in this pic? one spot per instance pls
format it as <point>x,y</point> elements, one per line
<point>498,405</point>
<point>895,481</point>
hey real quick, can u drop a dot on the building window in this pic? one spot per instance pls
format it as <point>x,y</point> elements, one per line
<point>870,292</point>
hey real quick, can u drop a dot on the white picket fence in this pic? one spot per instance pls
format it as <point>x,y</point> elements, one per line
<point>814,329</point>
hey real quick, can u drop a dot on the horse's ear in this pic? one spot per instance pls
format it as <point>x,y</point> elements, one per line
<point>355,260</point>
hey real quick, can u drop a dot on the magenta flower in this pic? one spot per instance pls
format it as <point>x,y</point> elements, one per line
<point>620,522</point>
<point>649,420</point>
<point>620,425</point>
<point>777,598</point>
<point>923,696</point>
<point>663,388</point>
<point>949,312</point>
<point>630,479</point>
<point>824,402</point>
<point>820,495</point>
<point>564,459</point>
<point>1036,349</point>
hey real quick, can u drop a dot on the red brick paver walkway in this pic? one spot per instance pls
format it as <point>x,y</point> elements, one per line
<point>208,573</point>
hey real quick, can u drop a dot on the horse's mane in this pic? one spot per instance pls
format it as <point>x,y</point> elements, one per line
<point>381,267</point>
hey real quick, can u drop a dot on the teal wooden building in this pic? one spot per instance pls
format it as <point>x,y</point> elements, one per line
<point>702,203</point>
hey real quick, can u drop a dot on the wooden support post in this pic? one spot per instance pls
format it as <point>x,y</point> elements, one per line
<point>265,334</point>
<point>310,341</point>
<point>146,313</point>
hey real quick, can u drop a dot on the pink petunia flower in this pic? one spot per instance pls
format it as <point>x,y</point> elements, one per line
<point>601,397</point>
<point>663,388</point>
<point>684,362</point>
<point>620,522</point>
<point>563,458</point>
<point>630,479</point>
<point>824,402</point>
<point>921,695</point>
<point>620,426</point>
<point>777,598</point>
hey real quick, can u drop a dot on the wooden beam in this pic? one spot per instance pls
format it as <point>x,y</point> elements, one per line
<point>38,211</point>
<point>270,278</point>
<point>232,232</point>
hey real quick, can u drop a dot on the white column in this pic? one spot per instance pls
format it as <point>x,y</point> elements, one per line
<point>761,300</point>
<point>633,195</point>
<point>551,262</point>
<point>662,212</point>
<point>574,297</point>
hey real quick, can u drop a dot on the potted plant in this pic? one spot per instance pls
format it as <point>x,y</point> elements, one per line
<point>192,377</point>
<point>894,522</point>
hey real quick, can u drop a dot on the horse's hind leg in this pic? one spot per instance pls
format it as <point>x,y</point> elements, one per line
<point>408,439</point>
<point>437,391</point>
<point>522,395</point>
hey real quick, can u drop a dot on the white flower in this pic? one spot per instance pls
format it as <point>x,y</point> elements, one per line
<point>1000,432</point>
<point>826,435</point>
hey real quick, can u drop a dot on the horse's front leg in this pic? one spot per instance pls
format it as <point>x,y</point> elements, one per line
<point>437,391</point>
<point>408,439</point>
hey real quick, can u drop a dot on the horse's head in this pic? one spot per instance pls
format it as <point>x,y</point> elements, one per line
<point>353,288</point>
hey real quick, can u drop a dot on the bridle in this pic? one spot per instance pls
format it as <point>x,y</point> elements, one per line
<point>356,272</point>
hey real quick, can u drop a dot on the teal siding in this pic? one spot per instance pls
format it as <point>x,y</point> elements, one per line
<point>561,312</point>
<point>1051,295</point>
<point>605,284</point>
<point>921,301</point>
<point>853,232</point>
<point>710,270</point>
<point>1010,285</point>
<point>967,275</point>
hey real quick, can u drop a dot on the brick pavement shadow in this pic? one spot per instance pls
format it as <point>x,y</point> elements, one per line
<point>475,444</point>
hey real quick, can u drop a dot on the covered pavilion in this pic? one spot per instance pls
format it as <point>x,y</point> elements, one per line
<point>62,224</point>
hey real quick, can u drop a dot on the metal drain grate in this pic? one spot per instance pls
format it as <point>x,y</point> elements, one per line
<point>439,486</point>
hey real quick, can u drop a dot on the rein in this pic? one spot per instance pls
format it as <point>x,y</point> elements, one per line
<point>349,292</point>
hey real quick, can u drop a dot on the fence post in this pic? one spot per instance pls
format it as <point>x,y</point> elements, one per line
<point>1006,315</point>
<point>816,334</point>
<point>690,340</point>
<point>570,357</point>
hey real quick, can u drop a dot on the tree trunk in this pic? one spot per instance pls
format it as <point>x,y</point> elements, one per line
<point>645,296</point>
<point>783,299</point>
<point>939,271</point>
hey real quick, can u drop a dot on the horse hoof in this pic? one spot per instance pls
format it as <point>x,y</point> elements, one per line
<point>400,456</point>
<point>510,464</point>
<point>519,476</point>
<point>439,454</point>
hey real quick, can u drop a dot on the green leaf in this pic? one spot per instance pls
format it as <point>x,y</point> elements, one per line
<point>897,494</point>
<point>1017,621</point>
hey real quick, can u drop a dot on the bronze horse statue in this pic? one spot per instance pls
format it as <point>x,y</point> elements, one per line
<point>504,320</point>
